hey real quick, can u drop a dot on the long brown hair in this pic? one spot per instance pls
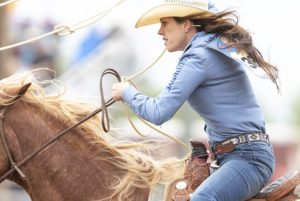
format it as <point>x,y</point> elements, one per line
<point>225,24</point>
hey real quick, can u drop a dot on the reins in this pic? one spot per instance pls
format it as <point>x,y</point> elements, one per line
<point>105,124</point>
<point>105,117</point>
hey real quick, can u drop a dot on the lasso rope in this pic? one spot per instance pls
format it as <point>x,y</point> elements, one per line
<point>130,78</point>
<point>126,112</point>
<point>105,119</point>
<point>62,30</point>
<point>154,128</point>
<point>7,2</point>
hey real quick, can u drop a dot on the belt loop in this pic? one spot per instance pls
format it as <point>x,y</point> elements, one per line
<point>247,138</point>
<point>268,139</point>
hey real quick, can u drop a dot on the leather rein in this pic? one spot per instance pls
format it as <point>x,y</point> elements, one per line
<point>15,166</point>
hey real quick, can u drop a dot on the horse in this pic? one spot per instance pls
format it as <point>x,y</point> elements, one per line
<point>52,157</point>
<point>84,164</point>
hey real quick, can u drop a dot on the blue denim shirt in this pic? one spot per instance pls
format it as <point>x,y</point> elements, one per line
<point>216,87</point>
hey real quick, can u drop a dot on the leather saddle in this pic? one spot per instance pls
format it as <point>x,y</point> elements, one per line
<point>285,188</point>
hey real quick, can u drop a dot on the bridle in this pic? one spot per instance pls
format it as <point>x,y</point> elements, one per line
<point>15,166</point>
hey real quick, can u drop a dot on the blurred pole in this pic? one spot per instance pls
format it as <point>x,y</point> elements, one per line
<point>5,56</point>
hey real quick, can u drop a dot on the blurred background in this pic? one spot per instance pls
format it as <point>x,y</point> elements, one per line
<point>113,42</point>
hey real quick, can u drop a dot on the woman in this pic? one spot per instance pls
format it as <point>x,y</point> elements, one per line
<point>211,76</point>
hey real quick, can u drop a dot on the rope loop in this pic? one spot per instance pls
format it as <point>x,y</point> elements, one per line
<point>63,30</point>
<point>104,115</point>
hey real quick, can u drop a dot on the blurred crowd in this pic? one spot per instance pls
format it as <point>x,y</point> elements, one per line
<point>60,54</point>
<point>38,54</point>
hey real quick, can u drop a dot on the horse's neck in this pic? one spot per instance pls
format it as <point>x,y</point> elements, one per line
<point>65,170</point>
<point>69,169</point>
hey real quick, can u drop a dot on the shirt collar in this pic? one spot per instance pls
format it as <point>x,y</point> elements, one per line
<point>194,38</point>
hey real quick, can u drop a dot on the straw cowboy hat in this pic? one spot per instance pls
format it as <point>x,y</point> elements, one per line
<point>174,8</point>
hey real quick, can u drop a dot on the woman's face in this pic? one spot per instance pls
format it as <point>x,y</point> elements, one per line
<point>176,35</point>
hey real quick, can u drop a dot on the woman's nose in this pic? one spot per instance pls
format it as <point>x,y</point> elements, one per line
<point>160,31</point>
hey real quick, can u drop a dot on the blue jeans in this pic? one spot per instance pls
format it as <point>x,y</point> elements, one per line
<point>242,174</point>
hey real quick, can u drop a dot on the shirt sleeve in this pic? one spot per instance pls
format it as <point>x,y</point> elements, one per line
<point>189,74</point>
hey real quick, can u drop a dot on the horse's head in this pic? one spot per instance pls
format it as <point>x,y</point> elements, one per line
<point>8,96</point>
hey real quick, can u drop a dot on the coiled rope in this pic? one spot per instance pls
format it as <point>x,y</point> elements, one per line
<point>62,30</point>
<point>105,116</point>
<point>7,2</point>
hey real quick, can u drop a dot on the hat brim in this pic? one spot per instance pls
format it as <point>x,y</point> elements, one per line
<point>154,15</point>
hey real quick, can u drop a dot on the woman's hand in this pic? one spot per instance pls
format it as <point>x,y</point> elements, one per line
<point>117,90</point>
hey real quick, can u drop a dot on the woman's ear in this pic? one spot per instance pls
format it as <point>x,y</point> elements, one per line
<point>188,25</point>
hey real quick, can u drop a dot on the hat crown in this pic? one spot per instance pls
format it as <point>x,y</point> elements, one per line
<point>175,8</point>
<point>199,4</point>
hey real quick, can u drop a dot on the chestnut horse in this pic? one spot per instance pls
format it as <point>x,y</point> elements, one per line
<point>84,164</point>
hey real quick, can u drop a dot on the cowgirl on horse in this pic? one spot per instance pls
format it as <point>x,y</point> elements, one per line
<point>211,75</point>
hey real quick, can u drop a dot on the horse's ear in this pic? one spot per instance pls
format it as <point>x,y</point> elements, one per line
<point>19,92</point>
<point>23,89</point>
<point>14,93</point>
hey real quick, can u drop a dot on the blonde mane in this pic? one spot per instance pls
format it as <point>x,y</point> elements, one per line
<point>133,158</point>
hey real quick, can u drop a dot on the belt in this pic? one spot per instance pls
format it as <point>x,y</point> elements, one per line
<point>229,145</point>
